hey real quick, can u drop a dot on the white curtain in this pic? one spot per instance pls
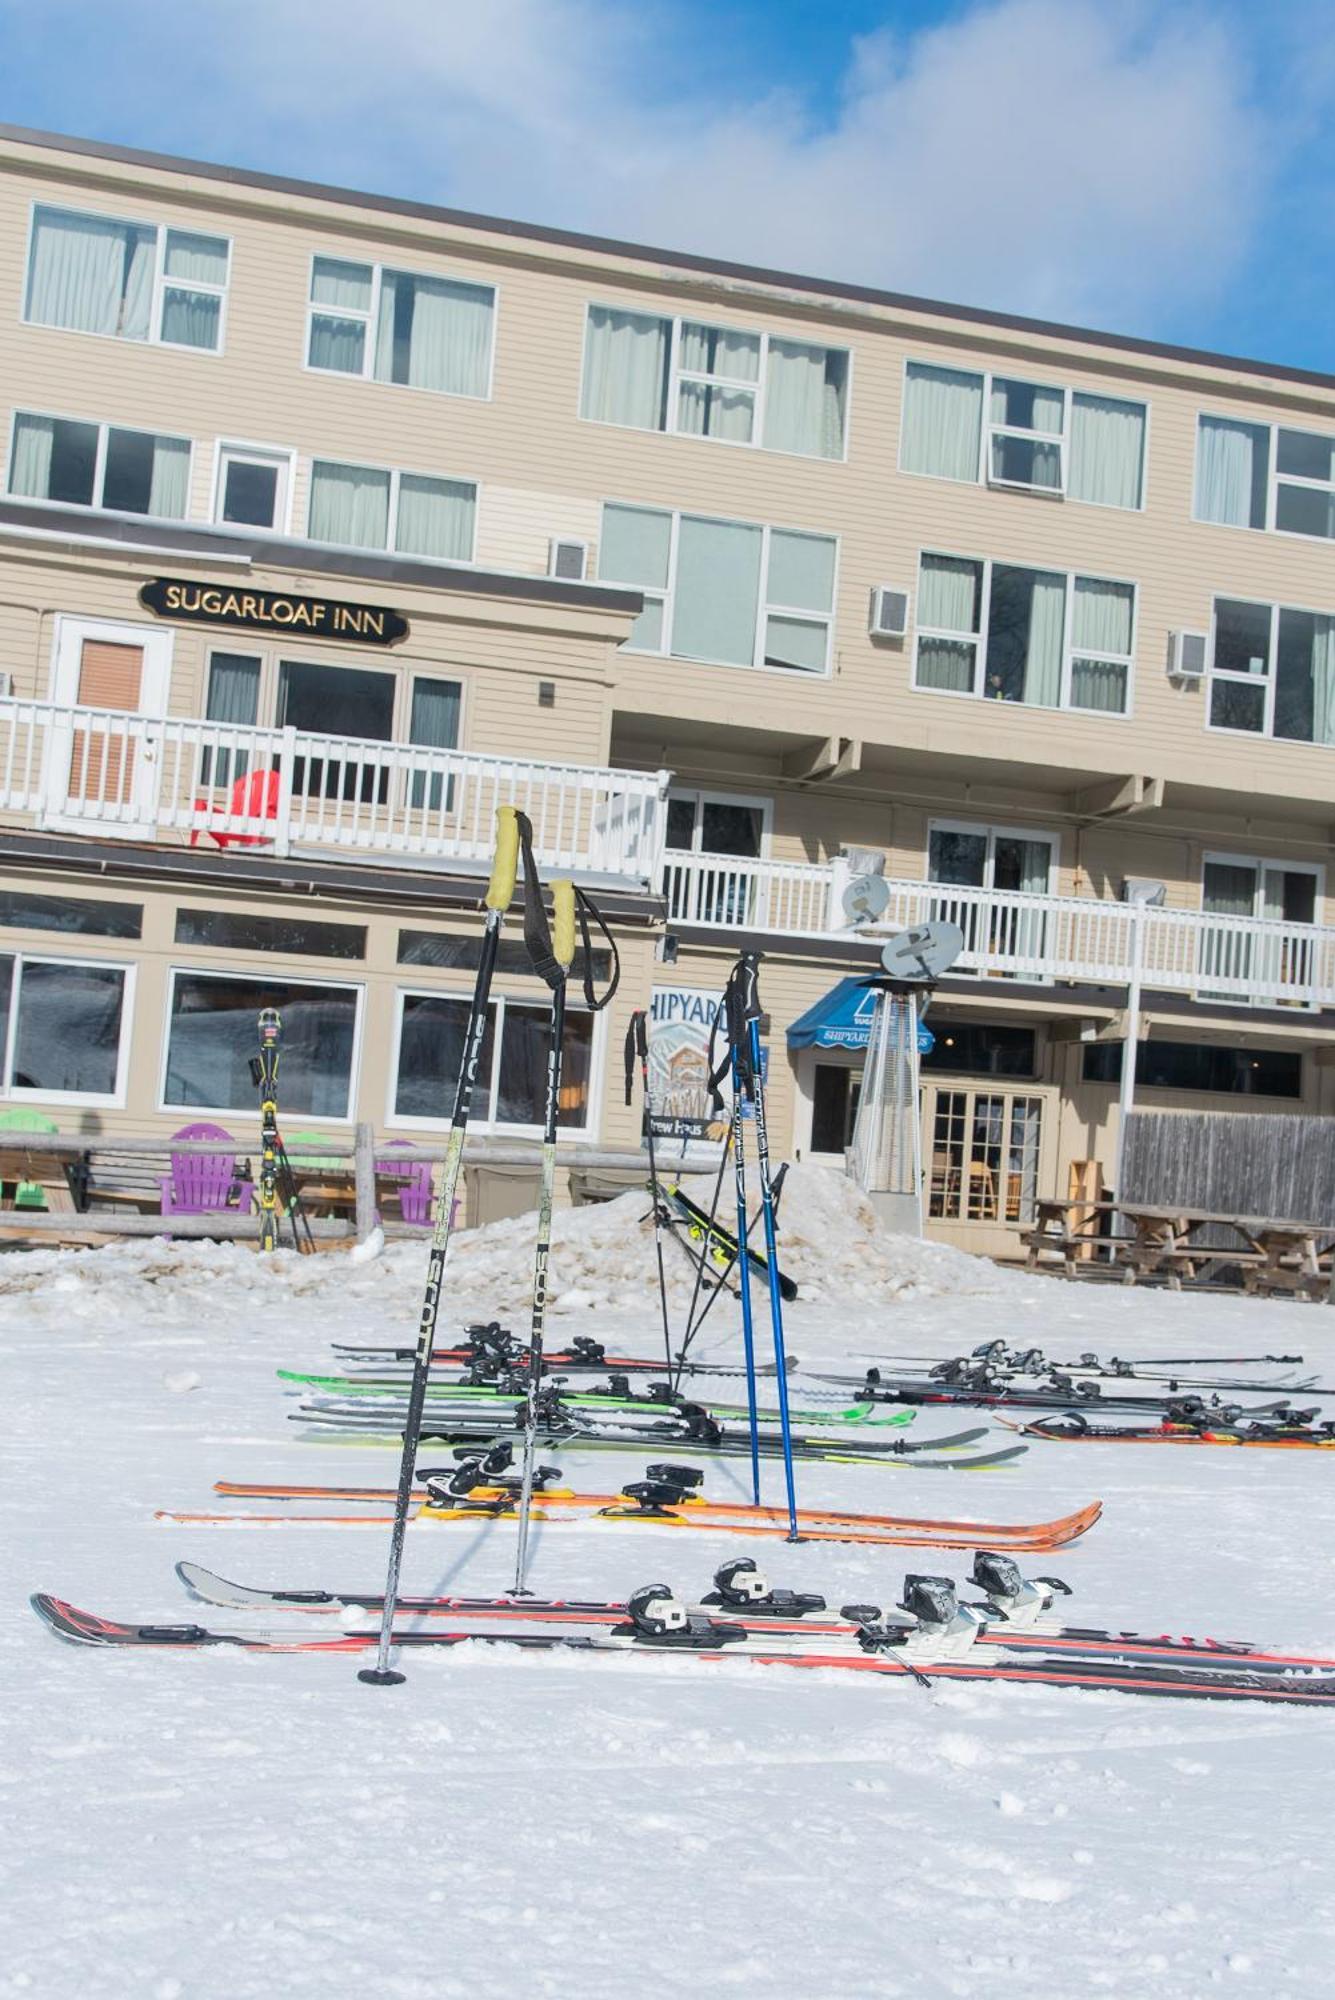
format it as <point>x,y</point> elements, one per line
<point>1043,658</point>
<point>947,602</point>
<point>337,343</point>
<point>169,484</point>
<point>1323,681</point>
<point>449,334</point>
<point>435,518</point>
<point>91,274</point>
<point>804,399</point>
<point>719,350</point>
<point>203,258</point>
<point>1231,466</point>
<point>1100,625</point>
<point>625,368</point>
<point>707,409</point>
<point>718,589</point>
<point>30,467</point>
<point>349,505</point>
<point>191,319</point>
<point>1107,451</point>
<point>1028,407</point>
<point>943,415</point>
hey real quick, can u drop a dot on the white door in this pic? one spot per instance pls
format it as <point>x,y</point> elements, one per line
<point>103,765</point>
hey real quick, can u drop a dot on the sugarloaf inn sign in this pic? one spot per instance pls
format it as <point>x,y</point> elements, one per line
<point>225,604</point>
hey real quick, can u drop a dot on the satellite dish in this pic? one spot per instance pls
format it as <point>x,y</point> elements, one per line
<point>865,898</point>
<point>925,952</point>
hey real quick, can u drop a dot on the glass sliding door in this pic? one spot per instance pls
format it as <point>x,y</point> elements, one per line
<point>1258,964</point>
<point>1004,938</point>
<point>336,701</point>
<point>716,828</point>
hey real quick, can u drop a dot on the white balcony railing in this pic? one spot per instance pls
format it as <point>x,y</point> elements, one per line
<point>1265,961</point>
<point>228,784</point>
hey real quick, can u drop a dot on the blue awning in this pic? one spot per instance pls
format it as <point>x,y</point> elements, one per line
<point>841,1019</point>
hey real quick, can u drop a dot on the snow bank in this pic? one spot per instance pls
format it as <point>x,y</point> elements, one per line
<point>602,1259</point>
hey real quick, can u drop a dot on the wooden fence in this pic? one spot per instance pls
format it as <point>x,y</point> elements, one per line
<point>1232,1162</point>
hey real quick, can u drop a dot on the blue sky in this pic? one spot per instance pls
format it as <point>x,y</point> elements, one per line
<point>1148,166</point>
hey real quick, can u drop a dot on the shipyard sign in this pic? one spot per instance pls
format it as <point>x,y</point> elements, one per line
<point>272,611</point>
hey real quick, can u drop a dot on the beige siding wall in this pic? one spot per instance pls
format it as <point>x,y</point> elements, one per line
<point>543,471</point>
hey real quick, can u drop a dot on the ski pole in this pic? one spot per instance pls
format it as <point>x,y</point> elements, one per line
<point>562,951</point>
<point>744,1264</point>
<point>510,827</point>
<point>771,1244</point>
<point>692,1323</point>
<point>637,1044</point>
<point>727,1271</point>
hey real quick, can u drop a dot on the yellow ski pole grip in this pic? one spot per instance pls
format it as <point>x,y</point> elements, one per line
<point>563,922</point>
<point>502,884</point>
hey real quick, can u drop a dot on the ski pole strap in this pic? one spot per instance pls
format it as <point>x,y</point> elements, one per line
<point>585,907</point>
<point>637,1046</point>
<point>739,1006</point>
<point>547,958</point>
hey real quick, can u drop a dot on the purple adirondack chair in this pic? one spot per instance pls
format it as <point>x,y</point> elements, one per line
<point>205,1183</point>
<point>413,1179</point>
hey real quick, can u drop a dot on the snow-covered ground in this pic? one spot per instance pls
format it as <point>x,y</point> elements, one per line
<point>220,1827</point>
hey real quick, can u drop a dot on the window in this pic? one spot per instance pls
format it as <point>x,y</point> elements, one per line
<point>401,326</point>
<point>512,1070</point>
<point>1214,1066</point>
<point>1045,638</point>
<point>433,724</point>
<point>717,382</point>
<point>77,464</point>
<point>365,507</point>
<point>1037,436</point>
<point>350,702</point>
<point>74,916</point>
<point>233,697</point>
<point>984,1048</point>
<point>1003,938</point>
<point>714,825</point>
<point>835,1091</point>
<point>253,487</point>
<point>211,1036</point>
<point>452,953</point>
<point>1262,476</point>
<point>233,930</point>
<point>61,1028</point>
<point>985,1154</point>
<point>132,280</point>
<point>1272,671</point>
<point>727,592</point>
<point>1247,966</point>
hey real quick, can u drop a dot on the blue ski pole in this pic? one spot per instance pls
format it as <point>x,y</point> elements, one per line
<point>744,1263</point>
<point>771,1245</point>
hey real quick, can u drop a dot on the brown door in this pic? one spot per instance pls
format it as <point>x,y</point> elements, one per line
<point>102,759</point>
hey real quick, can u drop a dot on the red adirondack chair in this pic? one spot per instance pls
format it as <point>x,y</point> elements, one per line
<point>254,796</point>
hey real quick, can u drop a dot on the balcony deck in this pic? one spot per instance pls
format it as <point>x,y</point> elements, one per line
<point>1236,961</point>
<point>135,777</point>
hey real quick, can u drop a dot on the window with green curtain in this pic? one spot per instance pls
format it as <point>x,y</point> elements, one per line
<point>233,696</point>
<point>349,505</point>
<point>717,590</point>
<point>192,317</point>
<point>806,392</point>
<point>716,364</point>
<point>1017,410</point>
<point>435,517</point>
<point>626,368</point>
<point>1025,626</point>
<point>1232,472</point>
<point>1305,677</point>
<point>53,459</point>
<point>434,724</point>
<point>434,333</point>
<point>942,422</point>
<point>91,273</point>
<point>338,333</point>
<point>949,602</point>
<point>1101,620</point>
<point>1107,451</point>
<point>146,475</point>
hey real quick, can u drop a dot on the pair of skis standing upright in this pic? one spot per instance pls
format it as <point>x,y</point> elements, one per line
<point>552,950</point>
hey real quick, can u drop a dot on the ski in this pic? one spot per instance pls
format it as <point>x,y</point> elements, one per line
<point>582,1355</point>
<point>1057,1394</point>
<point>717,1639</point>
<point>782,1610</point>
<point>386,1395</point>
<point>721,1242</point>
<point>1074,1427</point>
<point>995,1359</point>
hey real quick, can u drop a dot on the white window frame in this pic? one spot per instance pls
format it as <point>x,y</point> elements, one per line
<point>229,450</point>
<point>396,475</point>
<point>701,795</point>
<point>15,1094</point>
<point>160,280</point>
<point>666,597</point>
<point>257,977</point>
<point>1274,479</point>
<point>371,317</point>
<point>982,477</point>
<point>676,375</point>
<point>103,426</point>
<point>992,832</point>
<point>1260,863</point>
<point>567,1135</point>
<point>1269,681</point>
<point>1070,652</point>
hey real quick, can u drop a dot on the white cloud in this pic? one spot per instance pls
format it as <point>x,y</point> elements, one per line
<point>1061,157</point>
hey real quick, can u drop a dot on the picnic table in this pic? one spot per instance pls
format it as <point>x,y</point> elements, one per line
<point>1274,1253</point>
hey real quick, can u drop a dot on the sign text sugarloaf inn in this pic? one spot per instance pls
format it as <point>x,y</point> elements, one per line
<point>272,611</point>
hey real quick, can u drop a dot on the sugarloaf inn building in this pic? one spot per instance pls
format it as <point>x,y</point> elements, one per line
<point>329,522</point>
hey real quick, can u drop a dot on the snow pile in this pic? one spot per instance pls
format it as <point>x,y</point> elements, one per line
<point>602,1260</point>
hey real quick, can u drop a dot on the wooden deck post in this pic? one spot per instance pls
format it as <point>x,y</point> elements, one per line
<point>363,1167</point>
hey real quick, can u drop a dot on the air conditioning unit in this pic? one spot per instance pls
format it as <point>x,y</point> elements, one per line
<point>568,560</point>
<point>1186,655</point>
<point>889,612</point>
